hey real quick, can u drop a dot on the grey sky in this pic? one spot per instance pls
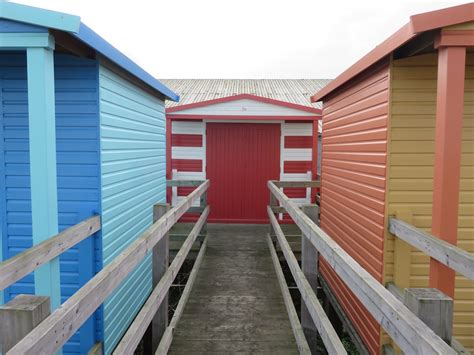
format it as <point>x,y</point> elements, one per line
<point>244,38</point>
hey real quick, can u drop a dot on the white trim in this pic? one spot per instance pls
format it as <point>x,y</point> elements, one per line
<point>295,154</point>
<point>296,177</point>
<point>282,148</point>
<point>187,153</point>
<point>246,107</point>
<point>245,121</point>
<point>298,129</point>
<point>188,175</point>
<point>204,148</point>
<point>186,127</point>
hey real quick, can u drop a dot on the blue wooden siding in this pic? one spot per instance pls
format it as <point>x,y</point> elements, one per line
<point>78,169</point>
<point>133,179</point>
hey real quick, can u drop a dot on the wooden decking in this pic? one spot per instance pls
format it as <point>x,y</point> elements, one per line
<point>236,303</point>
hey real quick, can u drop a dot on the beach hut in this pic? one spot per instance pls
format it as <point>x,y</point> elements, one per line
<point>240,134</point>
<point>82,133</point>
<point>398,141</point>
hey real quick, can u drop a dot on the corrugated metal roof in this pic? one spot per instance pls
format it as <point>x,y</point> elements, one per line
<point>297,91</point>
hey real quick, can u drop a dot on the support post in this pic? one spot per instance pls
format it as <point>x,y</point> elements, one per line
<point>434,308</point>
<point>447,167</point>
<point>203,204</point>
<point>42,144</point>
<point>19,316</point>
<point>160,265</point>
<point>309,266</point>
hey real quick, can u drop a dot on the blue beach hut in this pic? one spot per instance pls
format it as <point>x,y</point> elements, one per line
<point>82,133</point>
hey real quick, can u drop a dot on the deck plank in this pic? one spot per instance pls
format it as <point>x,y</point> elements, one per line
<point>236,304</point>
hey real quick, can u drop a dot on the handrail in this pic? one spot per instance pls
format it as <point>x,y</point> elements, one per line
<point>321,321</point>
<point>51,334</point>
<point>167,337</point>
<point>299,183</point>
<point>183,183</point>
<point>410,333</point>
<point>298,332</point>
<point>137,329</point>
<point>446,253</point>
<point>17,267</point>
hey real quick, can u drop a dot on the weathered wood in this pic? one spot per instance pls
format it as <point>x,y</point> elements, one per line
<point>160,262</point>
<point>410,333</point>
<point>312,184</point>
<point>54,331</point>
<point>303,346</point>
<point>203,204</point>
<point>396,291</point>
<point>168,335</point>
<point>183,183</point>
<point>309,266</point>
<point>96,349</point>
<point>22,264</point>
<point>446,253</point>
<point>19,316</point>
<point>434,308</point>
<point>328,334</point>
<point>137,329</point>
<point>236,303</point>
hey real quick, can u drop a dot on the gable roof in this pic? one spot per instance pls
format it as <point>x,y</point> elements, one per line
<point>293,91</point>
<point>417,25</point>
<point>72,25</point>
<point>314,110</point>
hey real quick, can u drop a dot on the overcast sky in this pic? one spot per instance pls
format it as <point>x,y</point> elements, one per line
<point>244,38</point>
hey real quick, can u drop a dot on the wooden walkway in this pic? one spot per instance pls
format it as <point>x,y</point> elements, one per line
<point>236,303</point>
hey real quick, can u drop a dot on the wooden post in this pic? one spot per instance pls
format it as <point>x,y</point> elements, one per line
<point>434,308</point>
<point>447,166</point>
<point>402,254</point>
<point>273,203</point>
<point>160,265</point>
<point>203,204</point>
<point>309,266</point>
<point>19,316</point>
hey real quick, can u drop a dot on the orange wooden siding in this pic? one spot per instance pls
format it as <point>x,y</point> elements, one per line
<point>354,153</point>
<point>410,186</point>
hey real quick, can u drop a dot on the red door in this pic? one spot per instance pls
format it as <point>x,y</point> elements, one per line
<point>240,159</point>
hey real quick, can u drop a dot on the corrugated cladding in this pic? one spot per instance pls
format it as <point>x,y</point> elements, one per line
<point>354,152</point>
<point>77,134</point>
<point>412,167</point>
<point>133,179</point>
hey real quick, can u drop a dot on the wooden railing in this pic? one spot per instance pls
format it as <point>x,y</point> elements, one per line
<point>52,333</point>
<point>22,264</point>
<point>405,328</point>
<point>447,254</point>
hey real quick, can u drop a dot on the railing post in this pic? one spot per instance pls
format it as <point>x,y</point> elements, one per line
<point>160,265</point>
<point>19,316</point>
<point>309,266</point>
<point>273,203</point>
<point>203,204</point>
<point>434,308</point>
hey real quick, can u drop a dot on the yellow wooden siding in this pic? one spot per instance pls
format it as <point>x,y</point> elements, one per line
<point>411,157</point>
